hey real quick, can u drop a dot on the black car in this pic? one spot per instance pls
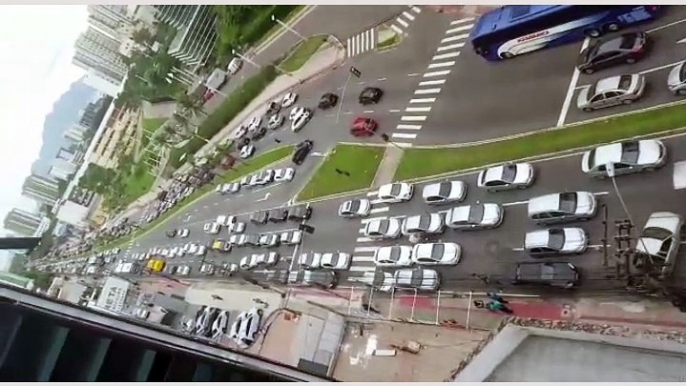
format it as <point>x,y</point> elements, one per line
<point>171,233</point>
<point>260,217</point>
<point>370,95</point>
<point>301,151</point>
<point>328,101</point>
<point>625,48</point>
<point>300,213</point>
<point>278,215</point>
<point>274,107</point>
<point>560,274</point>
<point>259,133</point>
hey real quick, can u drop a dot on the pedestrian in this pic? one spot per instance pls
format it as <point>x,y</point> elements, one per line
<point>277,140</point>
<point>217,297</point>
<point>496,297</point>
<point>498,306</point>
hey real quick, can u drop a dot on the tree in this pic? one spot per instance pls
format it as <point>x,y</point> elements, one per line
<point>183,126</point>
<point>192,104</point>
<point>41,280</point>
<point>97,179</point>
<point>142,36</point>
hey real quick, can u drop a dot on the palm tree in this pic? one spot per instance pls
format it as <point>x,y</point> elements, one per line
<point>183,125</point>
<point>190,103</point>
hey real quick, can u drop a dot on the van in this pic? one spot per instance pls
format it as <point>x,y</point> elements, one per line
<point>562,207</point>
<point>234,66</point>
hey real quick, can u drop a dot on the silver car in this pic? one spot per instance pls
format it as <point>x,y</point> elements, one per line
<point>626,157</point>
<point>432,223</point>
<point>555,241</point>
<point>383,229</point>
<point>475,216</point>
<point>444,192</point>
<point>612,91</point>
<point>418,279</point>
<point>436,254</point>
<point>506,177</point>
<point>676,81</point>
<point>393,256</point>
<point>359,207</point>
<point>660,239</point>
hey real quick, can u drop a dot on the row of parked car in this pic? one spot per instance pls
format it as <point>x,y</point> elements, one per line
<point>213,323</point>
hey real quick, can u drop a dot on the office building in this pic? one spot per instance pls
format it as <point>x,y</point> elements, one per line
<point>22,222</point>
<point>42,189</point>
<point>196,31</point>
<point>92,115</point>
<point>45,340</point>
<point>76,133</point>
<point>62,169</point>
<point>112,17</point>
<point>103,83</point>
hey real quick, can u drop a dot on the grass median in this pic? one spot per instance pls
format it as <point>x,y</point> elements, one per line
<point>302,53</point>
<point>251,166</point>
<point>419,162</point>
<point>361,162</point>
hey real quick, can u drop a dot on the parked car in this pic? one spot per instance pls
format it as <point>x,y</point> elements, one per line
<point>436,254</point>
<point>292,237</point>
<point>626,48</point>
<point>338,261</point>
<point>258,133</point>
<point>259,217</point>
<point>554,274</point>
<point>419,279</point>
<point>284,174</point>
<point>289,99</point>
<point>247,151</point>
<point>396,256</point>
<point>475,216</point>
<point>383,228</point>
<point>445,192</point>
<point>505,177</point>
<point>211,228</point>
<point>612,91</point>
<point>430,223</point>
<point>355,208</point>
<point>396,192</point>
<point>310,260</point>
<point>562,207</point>
<point>660,239</point>
<point>234,66</point>
<point>273,108</point>
<point>626,157</point>
<point>300,212</point>
<point>299,118</point>
<point>301,151</point>
<point>270,240</point>
<point>676,81</point>
<point>275,121</point>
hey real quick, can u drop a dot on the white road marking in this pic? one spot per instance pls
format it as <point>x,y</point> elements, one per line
<point>570,89</point>
<point>454,38</point>
<point>423,100</point>
<point>374,193</point>
<point>357,268</point>
<point>665,26</point>
<point>394,110</point>
<point>427,91</point>
<point>377,201</point>
<point>436,73</point>
<point>450,47</point>
<point>446,56</point>
<point>441,64</point>
<point>458,29</point>
<point>416,9</point>
<point>409,127</point>
<point>431,83</point>
<point>596,246</point>
<point>460,21</point>
<point>408,15</point>
<point>679,175</point>
<point>413,74</point>
<point>515,203</point>
<point>601,193</point>
<point>363,259</point>
<point>404,135</point>
<point>365,249</point>
<point>403,144</point>
<point>418,109</point>
<point>397,29</point>
<point>364,240</point>
<point>361,82</point>
<point>413,118</point>
<point>361,231</point>
<point>368,220</point>
<point>368,111</point>
<point>381,79</point>
<point>402,22</point>
<point>380,210</point>
<point>518,249</point>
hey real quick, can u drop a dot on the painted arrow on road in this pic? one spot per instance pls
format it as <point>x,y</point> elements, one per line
<point>266,196</point>
<point>681,41</point>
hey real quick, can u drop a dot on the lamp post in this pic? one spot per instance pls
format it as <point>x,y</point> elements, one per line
<point>281,70</point>
<point>289,28</point>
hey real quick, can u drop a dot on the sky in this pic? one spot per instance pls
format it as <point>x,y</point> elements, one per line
<point>36,49</point>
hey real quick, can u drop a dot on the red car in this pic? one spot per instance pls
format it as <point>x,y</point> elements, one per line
<point>363,127</point>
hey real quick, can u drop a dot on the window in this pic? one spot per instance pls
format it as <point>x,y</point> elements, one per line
<point>495,183</point>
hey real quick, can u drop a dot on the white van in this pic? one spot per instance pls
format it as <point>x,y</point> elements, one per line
<point>234,66</point>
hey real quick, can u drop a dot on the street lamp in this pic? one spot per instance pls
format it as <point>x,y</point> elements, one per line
<point>281,70</point>
<point>286,26</point>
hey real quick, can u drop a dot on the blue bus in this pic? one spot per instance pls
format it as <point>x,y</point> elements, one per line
<point>518,29</point>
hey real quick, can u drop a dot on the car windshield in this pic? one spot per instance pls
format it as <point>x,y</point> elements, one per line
<point>476,214</point>
<point>424,222</point>
<point>630,152</point>
<point>383,226</point>
<point>591,159</point>
<point>568,202</point>
<point>624,82</point>
<point>395,189</point>
<point>444,189</point>
<point>417,278</point>
<point>394,254</point>
<point>547,272</point>
<point>656,233</point>
<point>354,206</point>
<point>556,239</point>
<point>682,73</point>
<point>437,251</point>
<point>509,172</point>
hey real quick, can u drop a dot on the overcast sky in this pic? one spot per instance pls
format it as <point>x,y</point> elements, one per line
<point>36,49</point>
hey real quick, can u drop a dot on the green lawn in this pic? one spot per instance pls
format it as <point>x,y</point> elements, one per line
<point>360,161</point>
<point>241,170</point>
<point>139,182</point>
<point>150,125</point>
<point>302,53</point>
<point>418,162</point>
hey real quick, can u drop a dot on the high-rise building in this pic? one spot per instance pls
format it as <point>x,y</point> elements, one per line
<point>22,222</point>
<point>62,169</point>
<point>42,189</point>
<point>98,51</point>
<point>103,83</point>
<point>196,31</point>
<point>76,133</point>
<point>111,16</point>
<point>91,116</point>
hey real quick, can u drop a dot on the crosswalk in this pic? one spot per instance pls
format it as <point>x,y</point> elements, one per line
<point>367,40</point>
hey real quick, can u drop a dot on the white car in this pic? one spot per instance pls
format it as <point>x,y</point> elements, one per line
<point>254,123</point>
<point>430,223</point>
<point>300,117</point>
<point>240,132</point>
<point>211,228</point>
<point>626,157</point>
<point>396,192</point>
<point>270,240</point>
<point>263,178</point>
<point>436,254</point>
<point>660,238</point>
<point>506,177</point>
<point>249,262</point>
<point>355,208</point>
<point>555,241</point>
<point>183,270</point>
<point>234,239</point>
<point>207,269</point>
<point>220,325</point>
<point>234,66</point>
<point>562,207</point>
<point>225,220</point>
<point>444,192</point>
<point>292,237</point>
<point>248,327</point>
<point>284,174</point>
<point>383,229</point>
<point>419,279</point>
<point>236,227</point>
<point>475,216</point>
<point>202,323</point>
<point>230,188</point>
<point>247,151</point>
<point>396,256</point>
<point>268,259</point>
<point>338,261</point>
<point>275,121</point>
<point>183,233</point>
<point>289,99</point>
<point>201,250</point>
<point>310,261</point>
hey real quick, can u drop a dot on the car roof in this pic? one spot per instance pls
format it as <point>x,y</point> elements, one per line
<point>608,153</point>
<point>665,220</point>
<point>537,238</point>
<point>607,84</point>
<point>544,203</point>
<point>433,189</point>
<point>494,173</point>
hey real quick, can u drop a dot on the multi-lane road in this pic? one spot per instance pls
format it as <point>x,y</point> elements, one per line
<point>469,99</point>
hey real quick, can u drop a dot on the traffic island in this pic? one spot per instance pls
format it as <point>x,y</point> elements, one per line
<point>347,168</point>
<point>387,38</point>
<point>421,162</point>
<point>302,52</point>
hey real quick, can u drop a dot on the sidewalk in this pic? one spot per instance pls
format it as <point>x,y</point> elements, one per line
<point>389,163</point>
